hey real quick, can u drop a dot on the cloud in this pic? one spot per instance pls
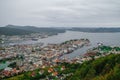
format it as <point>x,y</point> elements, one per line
<point>71,13</point>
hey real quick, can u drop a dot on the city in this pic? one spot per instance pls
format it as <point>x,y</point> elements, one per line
<point>59,40</point>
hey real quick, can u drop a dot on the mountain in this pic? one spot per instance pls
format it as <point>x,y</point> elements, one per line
<point>96,29</point>
<point>22,30</point>
<point>37,29</point>
<point>13,31</point>
<point>27,28</point>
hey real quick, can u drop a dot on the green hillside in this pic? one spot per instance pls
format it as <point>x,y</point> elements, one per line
<point>104,68</point>
<point>13,31</point>
<point>23,30</point>
<point>37,29</point>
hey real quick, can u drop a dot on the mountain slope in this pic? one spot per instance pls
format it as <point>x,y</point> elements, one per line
<point>23,30</point>
<point>105,68</point>
<point>13,31</point>
<point>50,31</point>
<point>96,29</point>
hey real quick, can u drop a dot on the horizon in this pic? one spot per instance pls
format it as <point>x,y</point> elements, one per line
<point>56,26</point>
<point>68,13</point>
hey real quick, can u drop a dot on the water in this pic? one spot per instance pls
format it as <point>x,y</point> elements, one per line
<point>106,38</point>
<point>110,39</point>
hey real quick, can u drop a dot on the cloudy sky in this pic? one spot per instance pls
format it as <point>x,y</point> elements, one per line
<point>60,13</point>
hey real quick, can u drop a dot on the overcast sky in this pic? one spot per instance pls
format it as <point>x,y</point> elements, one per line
<point>60,13</point>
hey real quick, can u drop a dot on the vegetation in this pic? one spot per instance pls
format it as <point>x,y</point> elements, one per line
<point>13,31</point>
<point>117,48</point>
<point>0,40</point>
<point>105,49</point>
<point>96,29</point>
<point>23,30</point>
<point>12,65</point>
<point>104,68</point>
<point>11,58</point>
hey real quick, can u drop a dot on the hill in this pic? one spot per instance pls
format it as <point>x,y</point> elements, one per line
<point>13,31</point>
<point>22,30</point>
<point>104,68</point>
<point>37,29</point>
<point>96,29</point>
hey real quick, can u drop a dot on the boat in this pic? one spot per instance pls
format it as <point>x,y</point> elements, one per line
<point>100,44</point>
<point>35,39</point>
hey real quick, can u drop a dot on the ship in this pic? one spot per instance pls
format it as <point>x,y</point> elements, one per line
<point>35,39</point>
